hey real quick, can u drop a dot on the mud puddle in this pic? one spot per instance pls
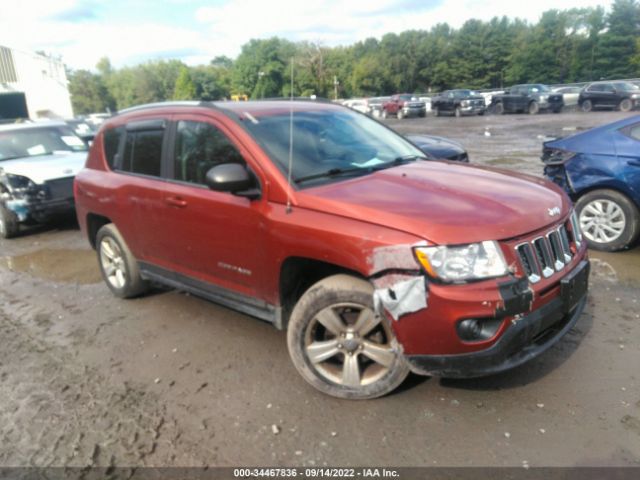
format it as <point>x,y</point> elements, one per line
<point>619,267</point>
<point>58,265</point>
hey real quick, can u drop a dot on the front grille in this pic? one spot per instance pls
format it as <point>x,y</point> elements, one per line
<point>60,188</point>
<point>543,256</point>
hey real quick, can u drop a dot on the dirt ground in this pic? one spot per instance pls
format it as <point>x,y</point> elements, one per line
<point>172,380</point>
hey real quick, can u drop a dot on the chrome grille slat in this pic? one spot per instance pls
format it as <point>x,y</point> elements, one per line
<point>545,255</point>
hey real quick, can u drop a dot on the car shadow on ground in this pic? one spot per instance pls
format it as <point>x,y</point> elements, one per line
<point>533,370</point>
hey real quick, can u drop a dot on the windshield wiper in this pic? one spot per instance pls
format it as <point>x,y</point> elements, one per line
<point>334,172</point>
<point>400,161</point>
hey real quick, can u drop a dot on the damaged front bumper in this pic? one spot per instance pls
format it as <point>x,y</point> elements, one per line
<point>527,337</point>
<point>42,202</point>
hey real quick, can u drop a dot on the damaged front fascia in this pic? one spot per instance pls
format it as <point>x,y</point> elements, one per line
<point>400,287</point>
<point>20,207</point>
<point>517,297</point>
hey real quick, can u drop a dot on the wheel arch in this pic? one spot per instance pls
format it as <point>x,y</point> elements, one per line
<point>94,223</point>
<point>616,187</point>
<point>298,274</point>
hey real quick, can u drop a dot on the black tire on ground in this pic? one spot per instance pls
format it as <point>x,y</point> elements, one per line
<point>630,225</point>
<point>534,108</point>
<point>586,106</point>
<point>436,111</point>
<point>498,108</point>
<point>113,252</point>
<point>350,296</point>
<point>458,112</point>
<point>625,105</point>
<point>9,224</point>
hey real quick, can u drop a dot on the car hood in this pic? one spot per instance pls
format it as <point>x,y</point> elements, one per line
<point>46,167</point>
<point>443,202</point>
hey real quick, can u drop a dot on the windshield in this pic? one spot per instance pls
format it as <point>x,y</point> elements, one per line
<point>30,142</point>
<point>625,86</point>
<point>327,141</point>
<point>539,88</point>
<point>464,93</point>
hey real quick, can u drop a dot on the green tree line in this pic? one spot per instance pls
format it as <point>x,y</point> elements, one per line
<point>564,46</point>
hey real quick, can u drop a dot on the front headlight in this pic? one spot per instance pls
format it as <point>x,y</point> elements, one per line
<point>19,184</point>
<point>456,264</point>
<point>465,103</point>
<point>543,98</point>
<point>635,96</point>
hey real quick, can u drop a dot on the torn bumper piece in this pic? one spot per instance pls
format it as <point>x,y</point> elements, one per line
<point>525,339</point>
<point>400,294</point>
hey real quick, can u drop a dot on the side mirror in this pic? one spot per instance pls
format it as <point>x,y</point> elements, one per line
<point>233,178</point>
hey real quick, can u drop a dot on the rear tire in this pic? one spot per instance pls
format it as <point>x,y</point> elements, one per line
<point>608,219</point>
<point>400,114</point>
<point>625,105</point>
<point>339,345</point>
<point>118,266</point>
<point>586,106</point>
<point>9,224</point>
<point>534,108</point>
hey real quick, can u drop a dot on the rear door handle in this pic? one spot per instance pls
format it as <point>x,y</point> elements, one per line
<point>175,202</point>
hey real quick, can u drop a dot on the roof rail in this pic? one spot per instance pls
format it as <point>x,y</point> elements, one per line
<point>190,103</point>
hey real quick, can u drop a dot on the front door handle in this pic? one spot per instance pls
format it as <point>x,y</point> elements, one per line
<point>175,202</point>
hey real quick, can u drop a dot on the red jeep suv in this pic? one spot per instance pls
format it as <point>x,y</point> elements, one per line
<point>326,223</point>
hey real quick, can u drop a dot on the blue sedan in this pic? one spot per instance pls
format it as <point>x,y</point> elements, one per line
<point>600,170</point>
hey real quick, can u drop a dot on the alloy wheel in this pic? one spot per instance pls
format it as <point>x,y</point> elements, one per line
<point>113,263</point>
<point>602,221</point>
<point>349,345</point>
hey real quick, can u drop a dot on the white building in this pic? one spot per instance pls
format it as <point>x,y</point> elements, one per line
<point>42,79</point>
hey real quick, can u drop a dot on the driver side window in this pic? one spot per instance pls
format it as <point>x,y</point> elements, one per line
<point>199,147</point>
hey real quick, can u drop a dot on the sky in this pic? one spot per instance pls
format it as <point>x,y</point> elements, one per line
<point>129,32</point>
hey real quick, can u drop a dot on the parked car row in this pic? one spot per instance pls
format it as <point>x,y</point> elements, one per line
<point>525,98</point>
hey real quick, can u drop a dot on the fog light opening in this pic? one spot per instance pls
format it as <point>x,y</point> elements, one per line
<point>477,329</point>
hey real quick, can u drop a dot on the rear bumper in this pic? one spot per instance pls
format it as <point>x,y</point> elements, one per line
<point>524,340</point>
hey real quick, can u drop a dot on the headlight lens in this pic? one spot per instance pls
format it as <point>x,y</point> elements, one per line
<point>457,264</point>
<point>543,98</point>
<point>635,96</point>
<point>19,184</point>
<point>464,103</point>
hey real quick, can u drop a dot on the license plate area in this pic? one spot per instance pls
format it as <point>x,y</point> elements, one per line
<point>574,286</point>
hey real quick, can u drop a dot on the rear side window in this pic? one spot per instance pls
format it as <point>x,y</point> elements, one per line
<point>111,142</point>
<point>143,152</point>
<point>199,147</point>
<point>634,131</point>
<point>596,88</point>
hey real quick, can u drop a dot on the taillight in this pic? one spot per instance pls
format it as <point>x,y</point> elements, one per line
<point>556,156</point>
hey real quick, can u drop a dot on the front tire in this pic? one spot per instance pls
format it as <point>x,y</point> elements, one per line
<point>340,345</point>
<point>9,224</point>
<point>118,266</point>
<point>498,108</point>
<point>608,219</point>
<point>458,112</point>
<point>586,106</point>
<point>534,108</point>
<point>400,114</point>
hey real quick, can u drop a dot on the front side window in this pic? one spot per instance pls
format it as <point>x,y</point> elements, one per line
<point>199,147</point>
<point>143,152</point>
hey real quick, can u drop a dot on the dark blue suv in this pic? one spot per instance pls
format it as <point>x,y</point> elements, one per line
<point>600,170</point>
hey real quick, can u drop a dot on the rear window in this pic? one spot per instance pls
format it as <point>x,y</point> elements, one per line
<point>111,142</point>
<point>143,152</point>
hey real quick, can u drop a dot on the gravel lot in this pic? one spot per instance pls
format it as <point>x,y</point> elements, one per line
<point>172,380</point>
